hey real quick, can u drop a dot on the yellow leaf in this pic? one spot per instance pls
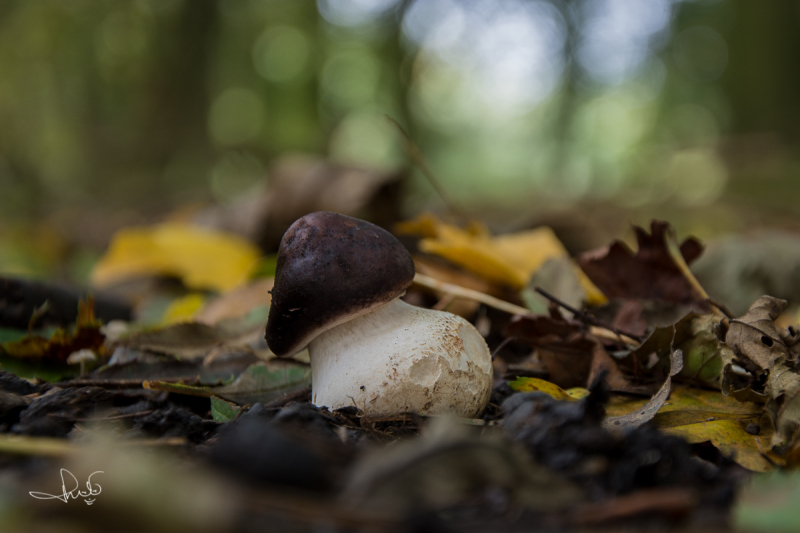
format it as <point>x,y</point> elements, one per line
<point>202,258</point>
<point>506,259</point>
<point>730,437</point>
<point>578,393</point>
<point>700,415</point>
<point>183,309</point>
<point>551,389</point>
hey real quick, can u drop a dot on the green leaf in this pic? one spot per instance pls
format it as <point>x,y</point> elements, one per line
<point>259,383</point>
<point>223,411</point>
<point>264,382</point>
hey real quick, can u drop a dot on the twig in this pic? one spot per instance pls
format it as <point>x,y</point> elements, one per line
<point>586,317</point>
<point>508,307</point>
<point>117,417</point>
<point>500,346</point>
<point>442,304</point>
<point>102,383</point>
<point>469,294</point>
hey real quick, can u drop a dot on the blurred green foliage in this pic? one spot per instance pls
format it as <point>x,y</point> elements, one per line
<point>114,111</point>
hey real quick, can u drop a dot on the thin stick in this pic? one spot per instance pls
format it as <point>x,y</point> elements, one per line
<point>677,257</point>
<point>469,294</point>
<point>415,155</point>
<point>502,305</point>
<point>442,304</point>
<point>502,345</point>
<point>586,317</point>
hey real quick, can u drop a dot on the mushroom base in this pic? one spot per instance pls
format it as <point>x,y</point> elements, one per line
<point>399,358</point>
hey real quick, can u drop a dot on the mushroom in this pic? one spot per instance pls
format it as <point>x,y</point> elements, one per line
<point>81,356</point>
<point>337,290</point>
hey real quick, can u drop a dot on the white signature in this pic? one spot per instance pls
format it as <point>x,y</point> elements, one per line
<point>75,492</point>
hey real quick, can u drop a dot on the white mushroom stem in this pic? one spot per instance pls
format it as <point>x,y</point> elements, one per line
<point>81,356</point>
<point>400,358</point>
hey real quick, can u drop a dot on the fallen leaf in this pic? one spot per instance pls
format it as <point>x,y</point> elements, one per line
<point>573,358</point>
<point>696,336</point>
<point>560,277</point>
<point>236,303</point>
<point>646,413</point>
<point>184,341</point>
<point>522,384</point>
<point>755,336</point>
<point>259,383</point>
<point>504,259</point>
<point>201,258</point>
<point>127,365</point>
<point>650,273</point>
<point>560,343</point>
<point>762,365</point>
<point>58,347</point>
<point>699,415</point>
<point>605,366</point>
<point>263,382</point>
<point>191,340</point>
<point>640,317</point>
<point>222,411</point>
<point>183,309</point>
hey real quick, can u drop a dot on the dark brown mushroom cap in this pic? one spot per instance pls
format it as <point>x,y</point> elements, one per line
<point>330,269</point>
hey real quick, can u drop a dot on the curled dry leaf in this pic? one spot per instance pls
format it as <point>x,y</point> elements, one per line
<point>755,336</point>
<point>763,367</point>
<point>648,411</point>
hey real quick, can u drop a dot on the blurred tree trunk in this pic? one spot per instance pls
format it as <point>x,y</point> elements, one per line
<point>174,101</point>
<point>181,80</point>
<point>762,78</point>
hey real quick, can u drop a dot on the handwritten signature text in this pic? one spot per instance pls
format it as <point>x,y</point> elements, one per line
<point>75,492</point>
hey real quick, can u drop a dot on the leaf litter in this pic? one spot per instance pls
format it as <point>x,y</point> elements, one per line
<point>610,429</point>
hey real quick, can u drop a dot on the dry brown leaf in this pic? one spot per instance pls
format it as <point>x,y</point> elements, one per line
<point>650,273</point>
<point>755,335</point>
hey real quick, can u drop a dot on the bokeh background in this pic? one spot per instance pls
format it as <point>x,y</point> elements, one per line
<point>584,114</point>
